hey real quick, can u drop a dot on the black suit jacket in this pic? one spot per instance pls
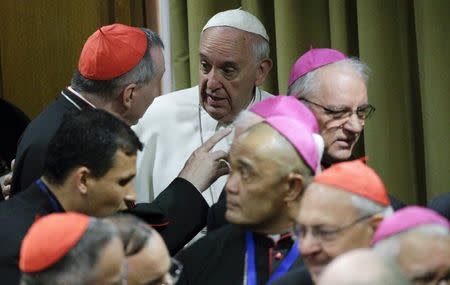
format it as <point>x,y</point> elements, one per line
<point>178,213</point>
<point>32,147</point>
<point>299,276</point>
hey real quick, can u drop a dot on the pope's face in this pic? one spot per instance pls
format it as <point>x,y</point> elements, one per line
<point>228,72</point>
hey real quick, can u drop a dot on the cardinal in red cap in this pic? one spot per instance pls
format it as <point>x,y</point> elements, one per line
<point>339,211</point>
<point>71,248</point>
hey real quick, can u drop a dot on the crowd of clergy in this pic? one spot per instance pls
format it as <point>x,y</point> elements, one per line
<point>220,183</point>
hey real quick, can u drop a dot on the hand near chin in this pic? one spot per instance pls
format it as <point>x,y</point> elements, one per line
<point>204,167</point>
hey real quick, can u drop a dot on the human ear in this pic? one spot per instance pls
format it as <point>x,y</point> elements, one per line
<point>295,183</point>
<point>263,70</point>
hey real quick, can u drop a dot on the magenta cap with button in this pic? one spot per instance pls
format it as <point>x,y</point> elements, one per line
<point>313,59</point>
<point>288,106</point>
<point>299,136</point>
<point>406,219</point>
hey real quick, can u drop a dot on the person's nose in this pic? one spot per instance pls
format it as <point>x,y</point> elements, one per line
<point>308,244</point>
<point>213,80</point>
<point>354,124</point>
<point>130,194</point>
<point>232,185</point>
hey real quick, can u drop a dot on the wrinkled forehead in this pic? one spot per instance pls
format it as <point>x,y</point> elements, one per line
<point>226,40</point>
<point>324,203</point>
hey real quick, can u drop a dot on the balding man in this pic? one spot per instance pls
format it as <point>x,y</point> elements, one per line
<point>234,62</point>
<point>419,240</point>
<point>71,248</point>
<point>148,260</point>
<point>270,165</point>
<point>362,267</point>
<point>339,211</point>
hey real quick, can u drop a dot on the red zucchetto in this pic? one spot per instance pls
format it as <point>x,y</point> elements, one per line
<point>112,51</point>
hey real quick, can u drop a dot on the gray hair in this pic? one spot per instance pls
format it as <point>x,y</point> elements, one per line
<point>260,48</point>
<point>307,85</point>
<point>76,267</point>
<point>390,247</point>
<point>133,232</point>
<point>141,74</point>
<point>368,207</point>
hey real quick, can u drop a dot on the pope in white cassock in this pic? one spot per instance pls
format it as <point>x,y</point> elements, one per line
<point>234,62</point>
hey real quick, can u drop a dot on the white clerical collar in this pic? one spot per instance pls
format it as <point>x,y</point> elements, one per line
<point>81,97</point>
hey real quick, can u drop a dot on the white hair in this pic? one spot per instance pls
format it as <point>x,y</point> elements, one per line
<point>368,207</point>
<point>390,247</point>
<point>307,85</point>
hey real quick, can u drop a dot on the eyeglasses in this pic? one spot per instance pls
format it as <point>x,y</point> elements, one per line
<point>325,235</point>
<point>175,270</point>
<point>363,112</point>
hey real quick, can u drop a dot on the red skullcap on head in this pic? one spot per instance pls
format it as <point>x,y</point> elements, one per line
<point>50,238</point>
<point>313,59</point>
<point>357,178</point>
<point>112,51</point>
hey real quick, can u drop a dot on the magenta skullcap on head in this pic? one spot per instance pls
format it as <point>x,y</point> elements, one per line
<point>287,106</point>
<point>313,59</point>
<point>406,219</point>
<point>299,136</point>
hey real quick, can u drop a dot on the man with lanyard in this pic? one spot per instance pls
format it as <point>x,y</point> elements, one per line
<point>270,165</point>
<point>234,62</point>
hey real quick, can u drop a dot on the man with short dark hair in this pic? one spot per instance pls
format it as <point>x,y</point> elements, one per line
<point>90,169</point>
<point>71,248</point>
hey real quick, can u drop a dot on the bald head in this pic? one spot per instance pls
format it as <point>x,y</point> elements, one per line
<point>362,267</point>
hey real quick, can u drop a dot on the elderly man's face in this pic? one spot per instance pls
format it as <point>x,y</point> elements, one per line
<point>111,192</point>
<point>425,260</point>
<point>109,269</point>
<point>228,72</point>
<point>254,188</point>
<point>327,221</point>
<point>151,264</point>
<point>341,88</point>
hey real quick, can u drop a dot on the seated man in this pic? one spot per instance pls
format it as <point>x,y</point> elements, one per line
<point>148,260</point>
<point>71,248</point>
<point>418,239</point>
<point>334,87</point>
<point>270,165</point>
<point>362,267</point>
<point>339,211</point>
<point>89,168</point>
